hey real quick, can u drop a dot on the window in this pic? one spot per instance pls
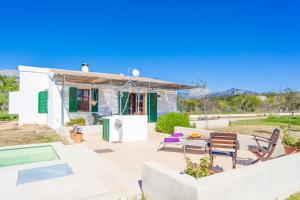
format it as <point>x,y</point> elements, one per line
<point>43,102</point>
<point>83,100</point>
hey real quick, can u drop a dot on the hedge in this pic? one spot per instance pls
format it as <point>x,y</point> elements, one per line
<point>166,123</point>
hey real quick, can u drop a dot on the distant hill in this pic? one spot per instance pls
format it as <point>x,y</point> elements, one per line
<point>9,72</point>
<point>200,93</point>
<point>232,92</point>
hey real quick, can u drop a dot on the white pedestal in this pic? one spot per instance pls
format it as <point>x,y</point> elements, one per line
<point>127,128</point>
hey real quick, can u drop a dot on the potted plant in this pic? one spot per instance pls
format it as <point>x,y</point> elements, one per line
<point>72,132</point>
<point>204,168</point>
<point>78,134</point>
<point>290,143</point>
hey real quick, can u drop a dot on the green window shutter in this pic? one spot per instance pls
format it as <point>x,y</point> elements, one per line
<point>123,103</point>
<point>94,97</point>
<point>72,99</point>
<point>152,107</point>
<point>43,102</point>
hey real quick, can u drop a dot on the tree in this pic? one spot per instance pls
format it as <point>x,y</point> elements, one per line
<point>292,102</point>
<point>7,84</point>
<point>247,103</point>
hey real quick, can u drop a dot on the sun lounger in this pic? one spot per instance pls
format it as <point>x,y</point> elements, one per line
<point>171,140</point>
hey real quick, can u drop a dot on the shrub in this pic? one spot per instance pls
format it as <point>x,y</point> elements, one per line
<point>198,171</point>
<point>288,139</point>
<point>166,123</point>
<point>4,116</point>
<point>77,121</point>
<point>295,196</point>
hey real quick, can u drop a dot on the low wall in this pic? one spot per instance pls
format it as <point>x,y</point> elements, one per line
<point>195,117</point>
<point>90,129</point>
<point>151,127</point>
<point>270,180</point>
<point>218,123</point>
<point>244,140</point>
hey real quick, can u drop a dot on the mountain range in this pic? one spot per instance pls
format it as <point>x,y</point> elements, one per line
<point>200,93</point>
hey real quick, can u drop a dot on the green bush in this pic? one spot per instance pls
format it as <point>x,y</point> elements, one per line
<point>77,121</point>
<point>204,168</point>
<point>4,116</point>
<point>295,196</point>
<point>288,139</point>
<point>166,123</point>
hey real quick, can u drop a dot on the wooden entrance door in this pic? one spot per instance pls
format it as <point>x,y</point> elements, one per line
<point>137,104</point>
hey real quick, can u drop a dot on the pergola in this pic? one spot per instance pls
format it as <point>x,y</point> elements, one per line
<point>67,76</point>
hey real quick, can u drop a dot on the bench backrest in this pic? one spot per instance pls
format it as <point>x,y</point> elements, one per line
<point>273,140</point>
<point>223,141</point>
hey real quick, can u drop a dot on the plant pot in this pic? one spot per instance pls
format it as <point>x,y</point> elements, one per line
<point>289,150</point>
<point>78,138</point>
<point>72,134</point>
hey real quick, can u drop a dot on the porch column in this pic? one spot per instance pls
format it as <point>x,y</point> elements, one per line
<point>149,107</point>
<point>63,102</point>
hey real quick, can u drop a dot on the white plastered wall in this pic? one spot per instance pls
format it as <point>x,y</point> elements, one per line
<point>55,107</point>
<point>32,81</point>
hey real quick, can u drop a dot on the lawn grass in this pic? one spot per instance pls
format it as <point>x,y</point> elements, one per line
<point>283,120</point>
<point>4,116</point>
<point>263,127</point>
<point>269,121</point>
<point>295,196</point>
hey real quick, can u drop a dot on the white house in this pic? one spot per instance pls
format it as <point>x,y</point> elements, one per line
<point>54,96</point>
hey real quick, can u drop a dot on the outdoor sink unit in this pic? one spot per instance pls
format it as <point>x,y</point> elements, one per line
<point>125,128</point>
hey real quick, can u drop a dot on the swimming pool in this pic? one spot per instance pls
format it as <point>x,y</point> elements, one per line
<point>25,155</point>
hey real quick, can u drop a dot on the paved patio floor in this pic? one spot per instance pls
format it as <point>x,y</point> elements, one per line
<point>131,156</point>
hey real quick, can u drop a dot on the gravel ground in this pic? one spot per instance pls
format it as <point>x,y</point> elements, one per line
<point>12,134</point>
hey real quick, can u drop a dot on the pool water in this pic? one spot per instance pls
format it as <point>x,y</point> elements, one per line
<point>18,156</point>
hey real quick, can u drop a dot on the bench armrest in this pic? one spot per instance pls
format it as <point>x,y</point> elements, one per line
<point>257,136</point>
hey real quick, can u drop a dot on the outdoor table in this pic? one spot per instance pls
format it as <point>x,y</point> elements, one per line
<point>196,143</point>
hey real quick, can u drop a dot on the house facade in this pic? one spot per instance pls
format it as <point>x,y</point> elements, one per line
<point>54,97</point>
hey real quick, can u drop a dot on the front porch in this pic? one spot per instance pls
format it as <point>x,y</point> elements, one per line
<point>93,95</point>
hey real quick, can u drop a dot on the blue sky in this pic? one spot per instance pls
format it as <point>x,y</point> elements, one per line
<point>253,45</point>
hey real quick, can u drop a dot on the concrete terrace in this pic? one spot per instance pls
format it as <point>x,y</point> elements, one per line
<point>94,178</point>
<point>131,156</point>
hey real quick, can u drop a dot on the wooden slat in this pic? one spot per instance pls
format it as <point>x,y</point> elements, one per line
<point>223,134</point>
<point>222,138</point>
<point>223,146</point>
<point>222,142</point>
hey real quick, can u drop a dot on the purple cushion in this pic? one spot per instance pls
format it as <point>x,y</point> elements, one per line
<point>177,134</point>
<point>170,140</point>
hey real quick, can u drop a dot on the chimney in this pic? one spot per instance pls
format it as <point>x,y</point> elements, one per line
<point>85,67</point>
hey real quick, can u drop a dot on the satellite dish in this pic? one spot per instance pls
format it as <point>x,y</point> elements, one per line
<point>135,73</point>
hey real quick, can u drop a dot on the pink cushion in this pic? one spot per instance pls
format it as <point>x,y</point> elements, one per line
<point>171,140</point>
<point>177,134</point>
